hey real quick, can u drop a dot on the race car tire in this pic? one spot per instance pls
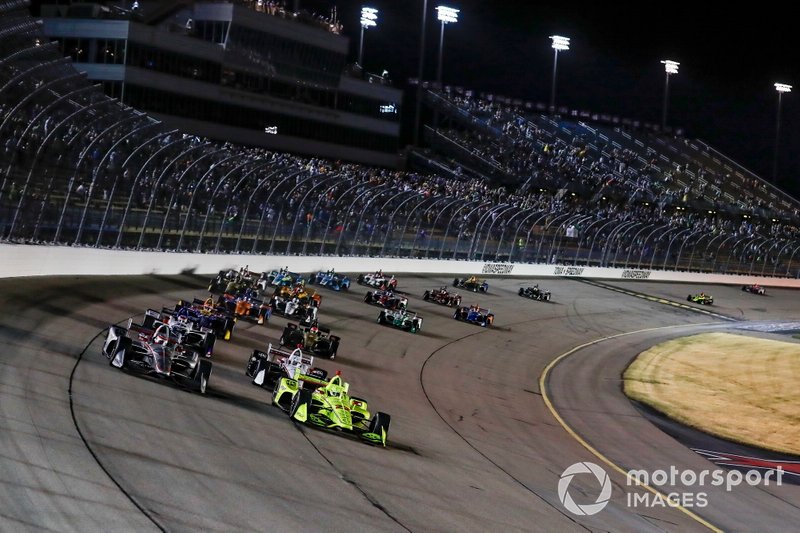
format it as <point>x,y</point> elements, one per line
<point>368,297</point>
<point>426,296</point>
<point>302,397</point>
<point>382,318</point>
<point>334,348</point>
<point>455,282</point>
<point>228,329</point>
<point>414,326</point>
<point>521,292</point>
<point>689,298</point>
<point>119,354</point>
<point>208,345</point>
<point>380,421</point>
<point>202,375</point>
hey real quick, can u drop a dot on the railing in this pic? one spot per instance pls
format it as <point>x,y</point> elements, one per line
<point>81,169</point>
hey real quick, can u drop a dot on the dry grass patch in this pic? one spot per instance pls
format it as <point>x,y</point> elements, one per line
<point>740,388</point>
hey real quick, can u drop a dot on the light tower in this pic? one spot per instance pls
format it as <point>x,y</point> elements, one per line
<point>446,15</point>
<point>670,68</point>
<point>559,44</point>
<point>781,88</point>
<point>369,19</point>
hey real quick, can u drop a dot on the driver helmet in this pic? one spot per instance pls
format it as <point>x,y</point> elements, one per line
<point>161,335</point>
<point>314,329</point>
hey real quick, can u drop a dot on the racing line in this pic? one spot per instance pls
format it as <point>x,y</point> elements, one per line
<point>543,390</point>
<point>374,502</point>
<point>468,443</point>
<point>574,434</point>
<point>127,494</point>
<point>656,299</point>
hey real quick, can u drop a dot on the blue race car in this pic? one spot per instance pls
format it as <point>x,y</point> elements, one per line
<point>331,280</point>
<point>475,315</point>
<point>279,278</point>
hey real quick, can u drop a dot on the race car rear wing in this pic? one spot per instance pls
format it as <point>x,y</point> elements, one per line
<point>294,363</point>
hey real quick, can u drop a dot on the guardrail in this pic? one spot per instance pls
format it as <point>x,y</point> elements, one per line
<point>29,260</point>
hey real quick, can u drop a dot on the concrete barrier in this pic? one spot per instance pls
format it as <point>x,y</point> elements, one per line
<point>28,260</point>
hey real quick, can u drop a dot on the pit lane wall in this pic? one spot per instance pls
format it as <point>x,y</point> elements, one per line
<point>27,260</point>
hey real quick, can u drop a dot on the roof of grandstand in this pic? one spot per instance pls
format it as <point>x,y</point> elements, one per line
<point>501,183</point>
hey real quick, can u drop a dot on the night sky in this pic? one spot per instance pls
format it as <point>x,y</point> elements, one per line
<point>723,94</point>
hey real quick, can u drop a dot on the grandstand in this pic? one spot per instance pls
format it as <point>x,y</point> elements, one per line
<point>501,183</point>
<point>236,71</point>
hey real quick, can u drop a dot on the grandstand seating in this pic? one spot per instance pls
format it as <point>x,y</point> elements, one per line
<point>501,183</point>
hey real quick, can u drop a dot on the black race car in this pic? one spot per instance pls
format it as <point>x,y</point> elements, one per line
<point>314,340</point>
<point>159,353</point>
<point>535,293</point>
<point>442,297</point>
<point>294,308</point>
<point>471,284</point>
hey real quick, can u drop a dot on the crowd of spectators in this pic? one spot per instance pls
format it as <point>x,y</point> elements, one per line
<point>280,9</point>
<point>80,168</point>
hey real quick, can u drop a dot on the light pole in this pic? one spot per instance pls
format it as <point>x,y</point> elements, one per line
<point>560,44</point>
<point>420,72</point>
<point>781,88</point>
<point>369,19</point>
<point>445,15</point>
<point>670,67</point>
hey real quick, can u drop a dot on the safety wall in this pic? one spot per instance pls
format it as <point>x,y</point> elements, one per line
<point>25,260</point>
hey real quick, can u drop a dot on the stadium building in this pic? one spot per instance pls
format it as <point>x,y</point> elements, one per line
<point>235,71</point>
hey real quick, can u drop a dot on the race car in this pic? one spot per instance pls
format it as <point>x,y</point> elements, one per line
<point>266,368</point>
<point>232,281</point>
<point>702,299</point>
<point>313,339</point>
<point>331,280</point>
<point>299,291</point>
<point>475,315</point>
<point>755,289</point>
<point>401,318</point>
<point>386,299</point>
<point>293,308</point>
<point>187,332</point>
<point>329,405</point>
<point>442,297</point>
<point>157,352</point>
<point>378,280</point>
<point>535,293</point>
<point>247,305</point>
<point>205,313</point>
<point>471,284</point>
<point>278,278</point>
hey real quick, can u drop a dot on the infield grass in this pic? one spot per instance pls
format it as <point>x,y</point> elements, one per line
<point>739,388</point>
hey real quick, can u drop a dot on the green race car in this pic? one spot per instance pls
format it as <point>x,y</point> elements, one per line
<point>702,299</point>
<point>328,404</point>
